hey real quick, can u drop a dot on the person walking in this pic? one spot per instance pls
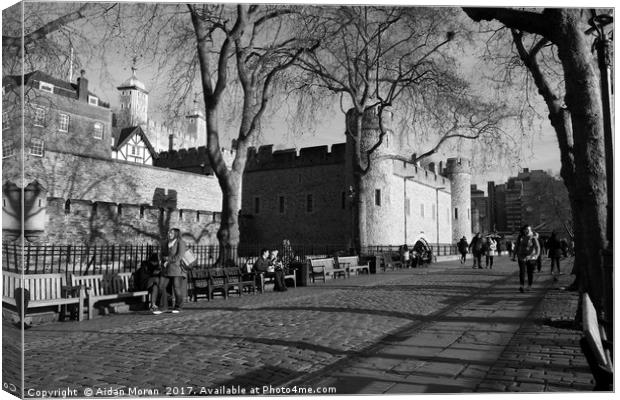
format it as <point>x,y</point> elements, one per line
<point>554,251</point>
<point>462,248</point>
<point>172,253</point>
<point>541,244</point>
<point>477,248</point>
<point>491,251</point>
<point>526,252</point>
<point>509,247</point>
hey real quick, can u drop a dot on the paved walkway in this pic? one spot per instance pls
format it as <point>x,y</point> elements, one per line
<point>443,329</point>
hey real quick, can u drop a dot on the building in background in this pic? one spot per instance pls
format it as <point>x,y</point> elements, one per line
<point>306,196</point>
<point>480,220</point>
<point>162,135</point>
<point>532,197</point>
<point>80,181</point>
<point>58,116</point>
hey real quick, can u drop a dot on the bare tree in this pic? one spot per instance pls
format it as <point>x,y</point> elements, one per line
<point>258,39</point>
<point>40,35</point>
<point>380,58</point>
<point>575,112</point>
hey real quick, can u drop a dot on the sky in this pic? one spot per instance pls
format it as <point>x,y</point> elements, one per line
<point>541,151</point>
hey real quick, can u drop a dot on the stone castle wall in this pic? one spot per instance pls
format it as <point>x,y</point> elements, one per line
<point>71,176</point>
<point>113,201</point>
<point>328,222</point>
<point>76,221</point>
<point>321,171</point>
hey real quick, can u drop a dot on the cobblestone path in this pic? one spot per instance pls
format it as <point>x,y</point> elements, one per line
<point>434,324</point>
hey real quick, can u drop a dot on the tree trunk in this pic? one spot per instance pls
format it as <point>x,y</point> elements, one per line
<point>228,233</point>
<point>583,99</point>
<point>354,127</point>
<point>564,28</point>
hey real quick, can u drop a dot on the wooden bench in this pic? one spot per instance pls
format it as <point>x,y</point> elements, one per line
<point>321,268</point>
<point>238,282</point>
<point>596,347</point>
<point>352,265</point>
<point>289,275</point>
<point>389,262</point>
<point>218,282</point>
<point>198,281</point>
<point>262,279</point>
<point>318,268</point>
<point>44,290</point>
<point>107,287</point>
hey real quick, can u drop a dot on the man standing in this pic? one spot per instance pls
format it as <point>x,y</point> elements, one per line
<point>172,251</point>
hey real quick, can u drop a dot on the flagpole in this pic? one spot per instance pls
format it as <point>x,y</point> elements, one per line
<point>71,66</point>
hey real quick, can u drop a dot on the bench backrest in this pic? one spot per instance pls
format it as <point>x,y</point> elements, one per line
<point>104,284</point>
<point>199,274</point>
<point>217,276</point>
<point>351,260</point>
<point>318,263</point>
<point>591,329</point>
<point>40,286</point>
<point>233,274</point>
<point>121,282</point>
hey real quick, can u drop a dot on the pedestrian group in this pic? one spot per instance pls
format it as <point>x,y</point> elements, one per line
<point>527,250</point>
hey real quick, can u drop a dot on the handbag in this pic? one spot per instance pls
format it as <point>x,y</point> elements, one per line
<point>189,259</point>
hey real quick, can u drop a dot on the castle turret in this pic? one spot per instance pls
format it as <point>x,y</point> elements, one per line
<point>458,170</point>
<point>376,186</point>
<point>196,126</point>
<point>134,100</point>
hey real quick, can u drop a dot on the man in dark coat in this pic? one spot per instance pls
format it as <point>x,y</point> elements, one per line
<point>477,248</point>
<point>462,247</point>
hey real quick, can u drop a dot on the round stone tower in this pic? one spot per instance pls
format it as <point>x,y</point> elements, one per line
<point>379,195</point>
<point>458,170</point>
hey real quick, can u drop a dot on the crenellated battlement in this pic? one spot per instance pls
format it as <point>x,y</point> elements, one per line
<point>265,158</point>
<point>420,174</point>
<point>190,158</point>
<point>104,209</point>
<point>457,165</point>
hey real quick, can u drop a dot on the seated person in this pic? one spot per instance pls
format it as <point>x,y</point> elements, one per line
<point>147,277</point>
<point>278,271</point>
<point>265,266</point>
<point>261,265</point>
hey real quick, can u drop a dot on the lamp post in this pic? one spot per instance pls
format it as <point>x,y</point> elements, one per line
<point>437,211</point>
<point>351,196</point>
<point>602,43</point>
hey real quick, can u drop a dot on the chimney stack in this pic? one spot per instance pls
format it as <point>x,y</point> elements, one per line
<point>83,87</point>
<point>170,142</point>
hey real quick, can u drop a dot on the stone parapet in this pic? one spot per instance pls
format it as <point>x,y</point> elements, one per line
<point>265,158</point>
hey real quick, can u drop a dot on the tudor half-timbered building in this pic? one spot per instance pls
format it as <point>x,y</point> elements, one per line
<point>133,145</point>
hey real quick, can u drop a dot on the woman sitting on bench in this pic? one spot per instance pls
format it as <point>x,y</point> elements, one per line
<point>266,265</point>
<point>147,278</point>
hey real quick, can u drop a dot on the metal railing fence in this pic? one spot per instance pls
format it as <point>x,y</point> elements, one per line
<point>96,259</point>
